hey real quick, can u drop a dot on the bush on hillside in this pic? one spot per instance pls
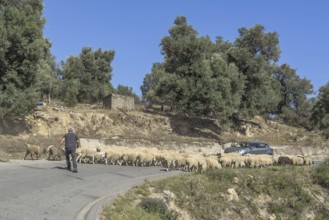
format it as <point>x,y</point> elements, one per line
<point>321,174</point>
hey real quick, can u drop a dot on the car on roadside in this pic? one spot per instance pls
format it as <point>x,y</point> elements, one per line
<point>250,147</point>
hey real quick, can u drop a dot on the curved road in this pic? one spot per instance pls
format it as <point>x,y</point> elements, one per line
<point>45,190</point>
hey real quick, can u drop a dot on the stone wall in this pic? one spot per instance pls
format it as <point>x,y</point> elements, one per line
<point>114,101</point>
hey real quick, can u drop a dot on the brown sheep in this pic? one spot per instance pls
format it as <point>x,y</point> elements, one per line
<point>54,153</point>
<point>33,149</point>
<point>284,160</point>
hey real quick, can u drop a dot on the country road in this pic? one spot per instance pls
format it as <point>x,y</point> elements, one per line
<point>45,190</point>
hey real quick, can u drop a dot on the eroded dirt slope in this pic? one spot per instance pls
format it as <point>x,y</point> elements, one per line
<point>48,123</point>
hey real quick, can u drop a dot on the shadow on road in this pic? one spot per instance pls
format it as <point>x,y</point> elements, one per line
<point>60,168</point>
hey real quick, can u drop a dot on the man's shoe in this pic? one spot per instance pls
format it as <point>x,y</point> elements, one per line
<point>75,171</point>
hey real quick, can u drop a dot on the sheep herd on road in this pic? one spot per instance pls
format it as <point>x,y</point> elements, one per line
<point>168,159</point>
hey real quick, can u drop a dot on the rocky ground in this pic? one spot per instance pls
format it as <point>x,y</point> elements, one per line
<point>149,128</point>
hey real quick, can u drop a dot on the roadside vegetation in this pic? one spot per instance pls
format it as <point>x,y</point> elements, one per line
<point>321,174</point>
<point>286,192</point>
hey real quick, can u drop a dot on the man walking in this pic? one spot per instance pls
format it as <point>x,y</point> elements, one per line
<point>72,141</point>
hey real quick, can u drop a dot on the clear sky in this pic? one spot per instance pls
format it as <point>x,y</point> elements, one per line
<point>134,29</point>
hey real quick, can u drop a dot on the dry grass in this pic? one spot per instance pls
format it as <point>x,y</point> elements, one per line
<point>12,147</point>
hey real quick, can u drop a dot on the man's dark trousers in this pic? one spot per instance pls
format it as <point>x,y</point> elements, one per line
<point>71,152</point>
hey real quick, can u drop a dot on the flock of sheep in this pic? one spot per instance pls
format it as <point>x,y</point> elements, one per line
<point>169,159</point>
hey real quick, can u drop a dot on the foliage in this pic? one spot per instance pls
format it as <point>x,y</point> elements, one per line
<point>47,81</point>
<point>199,77</point>
<point>321,174</point>
<point>22,49</point>
<point>87,77</point>
<point>320,111</point>
<point>254,53</point>
<point>150,84</point>
<point>194,78</point>
<point>154,205</point>
<point>294,107</point>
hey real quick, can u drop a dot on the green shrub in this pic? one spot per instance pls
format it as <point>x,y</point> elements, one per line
<point>158,206</point>
<point>321,174</point>
<point>153,205</point>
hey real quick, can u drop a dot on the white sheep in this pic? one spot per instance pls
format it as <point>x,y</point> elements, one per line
<point>130,157</point>
<point>48,149</point>
<point>239,161</point>
<point>307,160</point>
<point>86,154</point>
<point>202,164</point>
<point>297,160</point>
<point>113,157</point>
<point>231,160</point>
<point>255,161</point>
<point>180,160</point>
<point>196,163</point>
<point>168,160</point>
<point>226,161</point>
<point>100,157</point>
<point>212,162</point>
<point>145,158</point>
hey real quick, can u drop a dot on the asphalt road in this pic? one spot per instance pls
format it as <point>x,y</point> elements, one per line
<point>45,190</point>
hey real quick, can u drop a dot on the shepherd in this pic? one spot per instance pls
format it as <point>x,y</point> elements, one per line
<point>72,142</point>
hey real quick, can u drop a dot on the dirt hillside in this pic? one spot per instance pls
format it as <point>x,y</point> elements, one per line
<point>95,125</point>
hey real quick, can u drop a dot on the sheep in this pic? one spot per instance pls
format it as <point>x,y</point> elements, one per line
<point>85,153</point>
<point>226,161</point>
<point>232,160</point>
<point>100,156</point>
<point>304,160</point>
<point>130,157</point>
<point>255,161</point>
<point>307,160</point>
<point>239,162</point>
<point>196,163</point>
<point>161,159</point>
<point>48,149</point>
<point>145,158</point>
<point>297,160</point>
<point>168,160</point>
<point>284,160</point>
<point>202,165</point>
<point>113,157</point>
<point>212,162</point>
<point>54,153</point>
<point>180,160</point>
<point>172,160</point>
<point>33,149</point>
<point>108,155</point>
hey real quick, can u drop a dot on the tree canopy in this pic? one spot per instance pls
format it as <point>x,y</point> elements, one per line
<point>192,75</point>
<point>86,78</point>
<point>22,50</point>
<point>199,77</point>
<point>320,111</point>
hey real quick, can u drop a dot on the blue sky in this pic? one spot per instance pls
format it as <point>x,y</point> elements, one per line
<point>134,29</point>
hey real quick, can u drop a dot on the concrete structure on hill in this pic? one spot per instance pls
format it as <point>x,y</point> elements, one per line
<point>115,101</point>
